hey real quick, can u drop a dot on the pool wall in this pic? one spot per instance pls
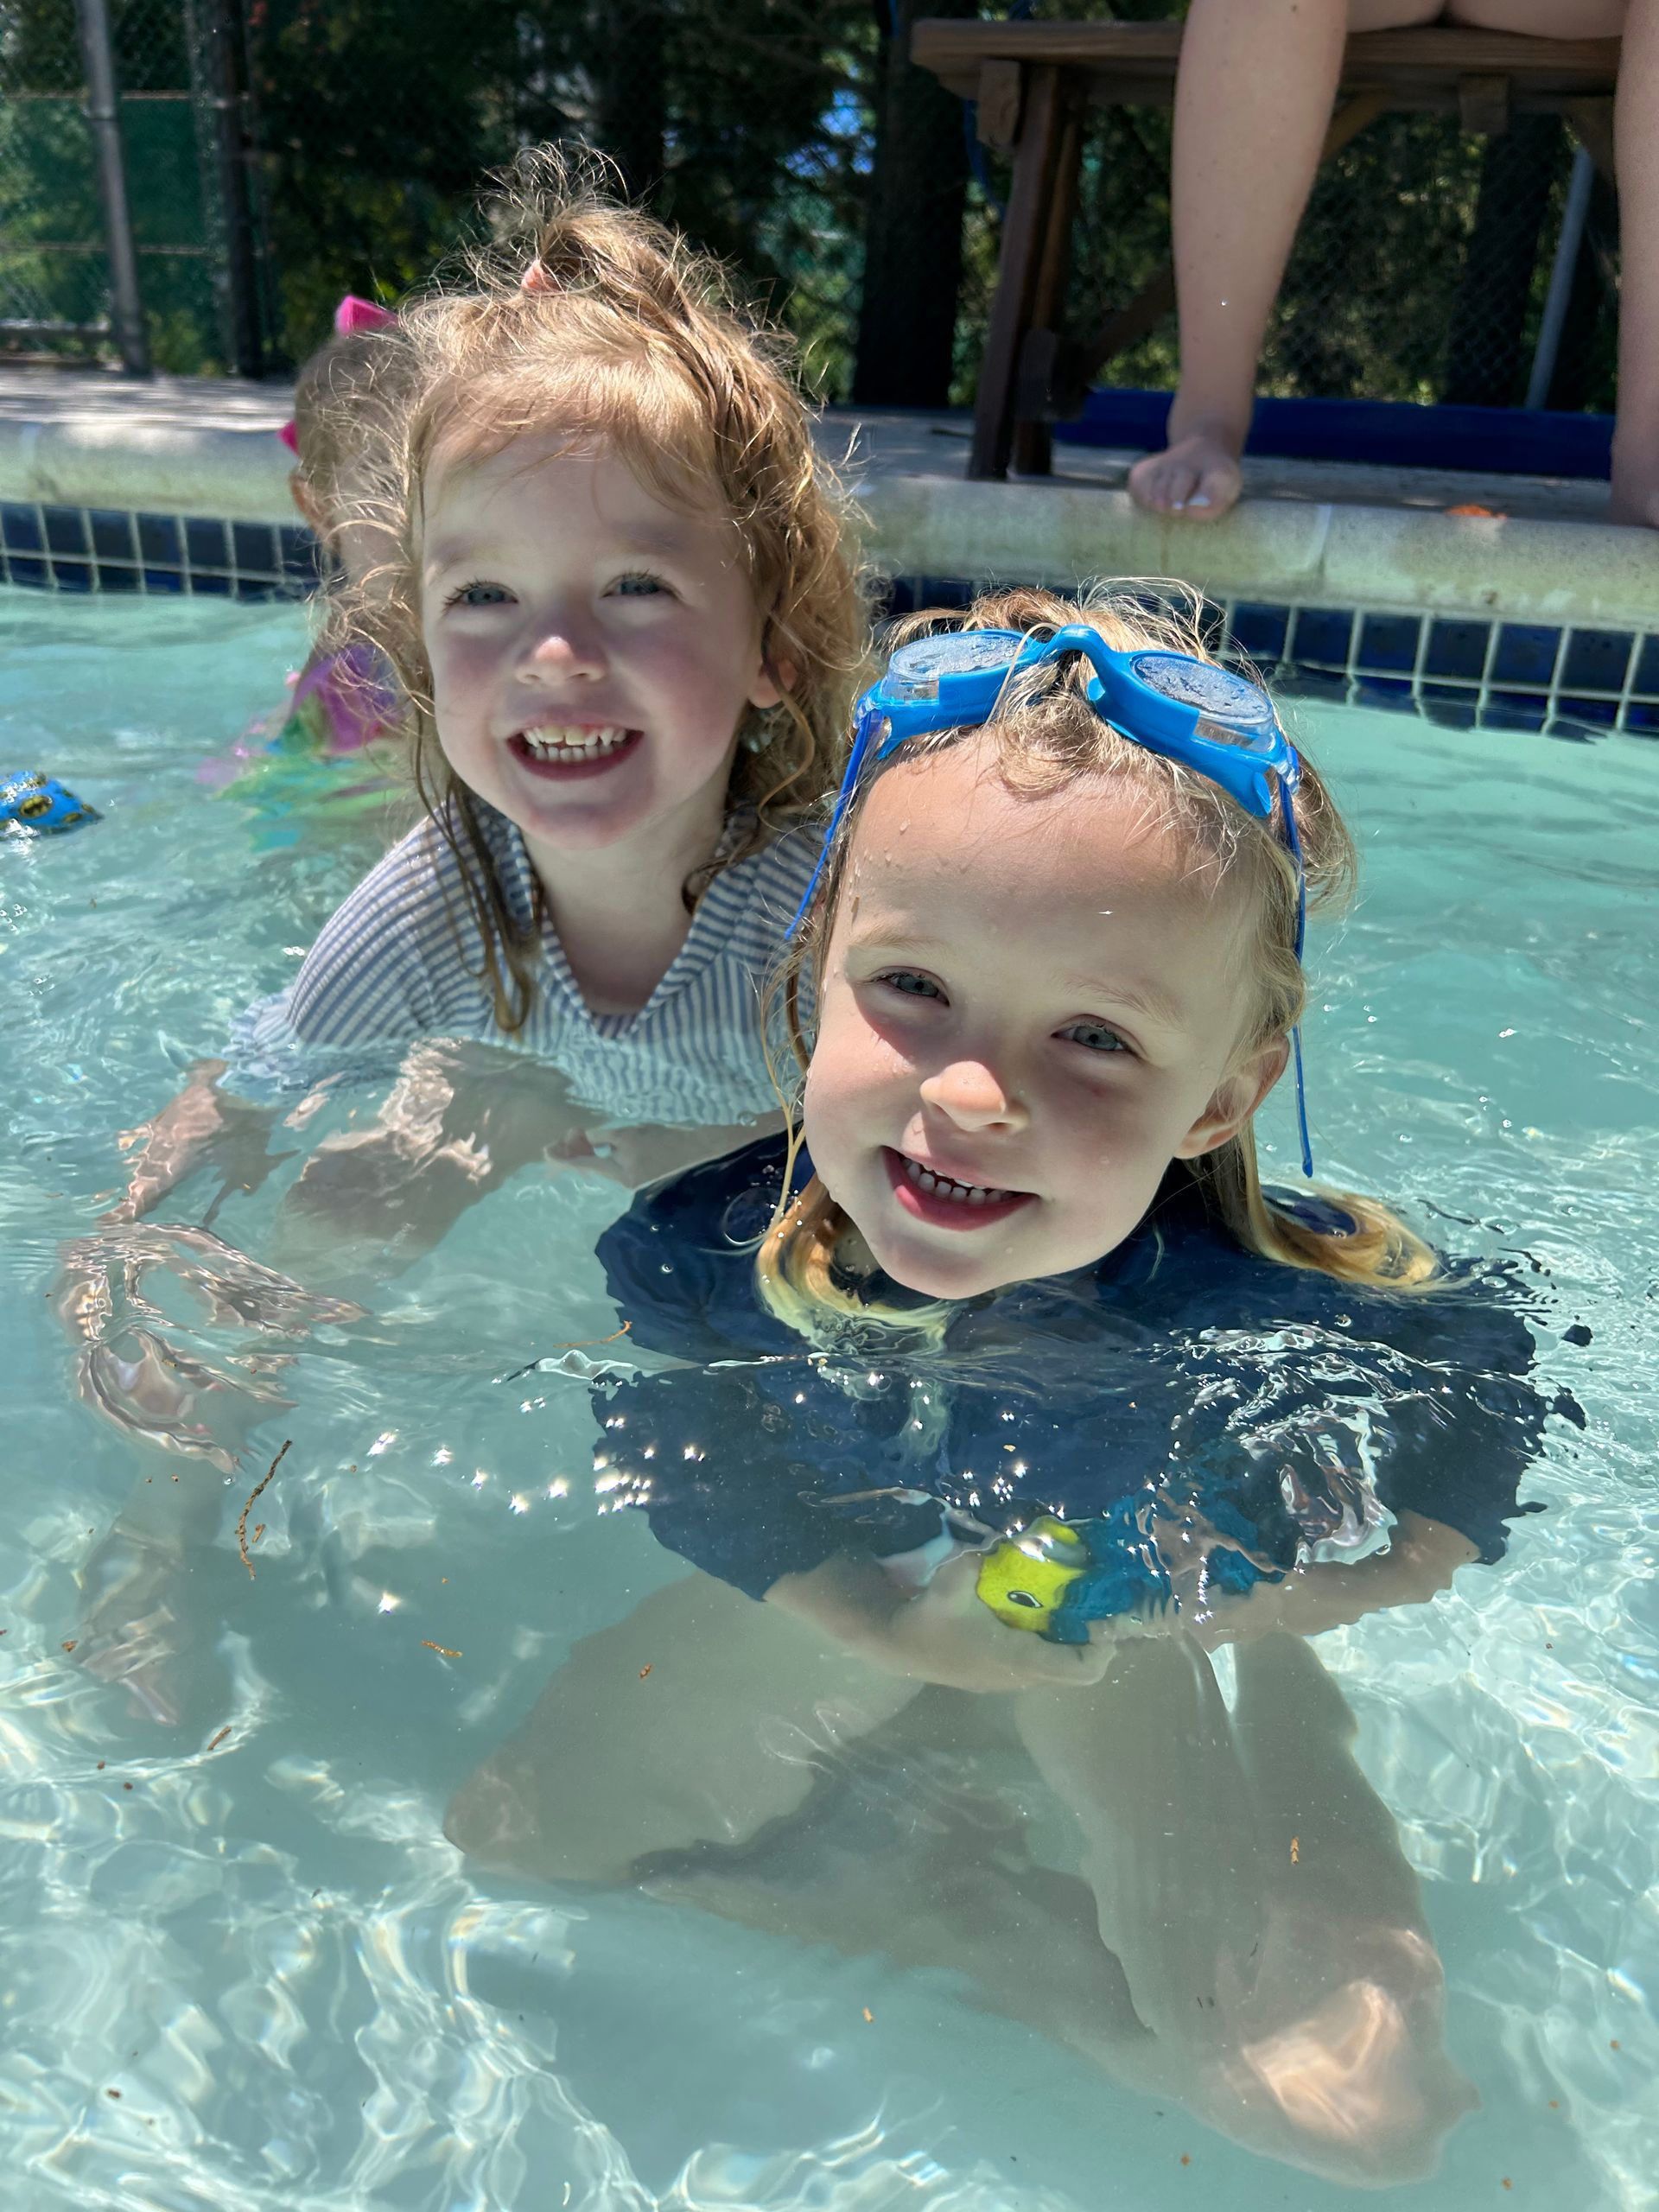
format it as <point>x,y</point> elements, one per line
<point>107,487</point>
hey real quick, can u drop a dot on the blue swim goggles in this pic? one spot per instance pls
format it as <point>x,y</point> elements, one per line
<point>1204,717</point>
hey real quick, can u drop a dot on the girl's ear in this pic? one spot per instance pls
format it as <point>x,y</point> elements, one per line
<point>773,681</point>
<point>1237,1097</point>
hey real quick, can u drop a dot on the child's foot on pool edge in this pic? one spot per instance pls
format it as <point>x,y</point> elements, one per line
<point>1196,476</point>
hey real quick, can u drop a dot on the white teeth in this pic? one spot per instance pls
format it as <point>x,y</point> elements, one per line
<point>551,744</point>
<point>968,1194</point>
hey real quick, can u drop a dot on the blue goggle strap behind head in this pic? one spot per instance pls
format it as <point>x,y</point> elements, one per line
<point>870,720</point>
<point>1292,840</point>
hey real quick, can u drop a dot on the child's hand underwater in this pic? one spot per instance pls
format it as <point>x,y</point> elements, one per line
<point>946,1634</point>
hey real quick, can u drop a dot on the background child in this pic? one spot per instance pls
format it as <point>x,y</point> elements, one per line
<point>1034,1276</point>
<point>346,399</point>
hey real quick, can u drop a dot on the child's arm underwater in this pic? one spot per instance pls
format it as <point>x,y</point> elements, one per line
<point>203,1122</point>
<point>461,1120</point>
<point>944,1633</point>
<point>1423,1557</point>
<point>941,1633</point>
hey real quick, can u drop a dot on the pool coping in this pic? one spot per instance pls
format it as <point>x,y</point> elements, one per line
<point>207,449</point>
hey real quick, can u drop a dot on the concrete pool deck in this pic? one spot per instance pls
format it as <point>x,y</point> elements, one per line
<point>1311,533</point>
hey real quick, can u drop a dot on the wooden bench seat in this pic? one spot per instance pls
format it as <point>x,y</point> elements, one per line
<point>1032,82</point>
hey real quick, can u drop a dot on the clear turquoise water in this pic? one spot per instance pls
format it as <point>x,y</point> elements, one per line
<point>307,2001</point>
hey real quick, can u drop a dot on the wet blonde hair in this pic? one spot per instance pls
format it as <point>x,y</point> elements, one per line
<point>1044,737</point>
<point>584,318</point>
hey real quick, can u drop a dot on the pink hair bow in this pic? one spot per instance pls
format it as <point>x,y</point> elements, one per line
<point>352,315</point>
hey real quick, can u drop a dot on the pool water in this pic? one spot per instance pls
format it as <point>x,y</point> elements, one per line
<point>241,1967</point>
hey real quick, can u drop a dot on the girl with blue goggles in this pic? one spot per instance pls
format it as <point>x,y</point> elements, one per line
<point>1201,717</point>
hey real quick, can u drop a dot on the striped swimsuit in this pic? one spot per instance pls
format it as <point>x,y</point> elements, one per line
<point>399,961</point>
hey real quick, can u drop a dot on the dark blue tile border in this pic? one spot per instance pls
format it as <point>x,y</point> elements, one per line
<point>1458,673</point>
<point>112,549</point>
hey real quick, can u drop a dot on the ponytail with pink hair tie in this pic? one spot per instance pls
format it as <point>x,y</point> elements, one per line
<point>352,316</point>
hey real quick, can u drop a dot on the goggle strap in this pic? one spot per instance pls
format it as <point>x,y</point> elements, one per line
<point>1293,843</point>
<point>843,800</point>
<point>1301,1103</point>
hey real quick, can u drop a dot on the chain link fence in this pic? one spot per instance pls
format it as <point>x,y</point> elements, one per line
<point>279,153</point>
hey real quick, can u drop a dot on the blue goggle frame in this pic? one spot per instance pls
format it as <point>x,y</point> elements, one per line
<point>1203,717</point>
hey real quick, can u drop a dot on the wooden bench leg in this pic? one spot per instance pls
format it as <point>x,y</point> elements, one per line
<point>1033,443</point>
<point>1019,267</point>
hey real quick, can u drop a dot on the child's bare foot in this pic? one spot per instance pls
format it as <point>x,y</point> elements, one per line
<point>1635,496</point>
<point>1196,476</point>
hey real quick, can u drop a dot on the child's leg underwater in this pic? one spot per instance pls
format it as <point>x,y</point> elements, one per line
<point>1253,1887</point>
<point>698,1720</point>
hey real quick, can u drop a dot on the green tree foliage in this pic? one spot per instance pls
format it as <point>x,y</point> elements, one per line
<point>380,117</point>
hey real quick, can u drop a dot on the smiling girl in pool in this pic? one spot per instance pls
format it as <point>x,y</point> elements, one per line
<point>1028,1346</point>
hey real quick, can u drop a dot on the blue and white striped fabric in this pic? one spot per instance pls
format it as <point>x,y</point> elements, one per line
<point>397,963</point>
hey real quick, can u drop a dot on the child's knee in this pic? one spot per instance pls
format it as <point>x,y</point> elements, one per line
<point>500,1819</point>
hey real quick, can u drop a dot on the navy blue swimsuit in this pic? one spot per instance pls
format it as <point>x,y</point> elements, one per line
<point>1297,1414</point>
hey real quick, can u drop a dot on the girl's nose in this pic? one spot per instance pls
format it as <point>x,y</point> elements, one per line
<point>970,1093</point>
<point>559,654</point>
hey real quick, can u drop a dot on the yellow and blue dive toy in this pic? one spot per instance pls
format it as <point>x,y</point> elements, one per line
<point>33,805</point>
<point>1055,1576</point>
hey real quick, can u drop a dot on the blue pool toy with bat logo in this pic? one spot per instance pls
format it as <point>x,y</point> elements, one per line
<point>32,804</point>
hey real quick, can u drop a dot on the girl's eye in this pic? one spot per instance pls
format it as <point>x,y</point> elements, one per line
<point>479,595</point>
<point>638,584</point>
<point>909,984</point>
<point>1094,1037</point>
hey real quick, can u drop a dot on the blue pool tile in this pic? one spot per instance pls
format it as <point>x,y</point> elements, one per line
<point>1317,684</point>
<point>117,575</point>
<point>72,575</point>
<point>1387,644</point>
<point>20,525</point>
<point>111,533</point>
<point>159,542</point>
<point>65,530</point>
<point>253,547</point>
<point>247,586</point>
<point>1596,660</point>
<point>1381,691</point>
<point>1641,717</point>
<point>1526,654</point>
<point>164,581</point>
<point>1600,714</point>
<point>207,586</point>
<point>298,554</point>
<point>1456,649</point>
<point>206,543</point>
<point>1448,709</point>
<point>26,569</point>
<point>1517,710</point>
<point>1645,682</point>
<point>1322,636</point>
<point>1259,632</point>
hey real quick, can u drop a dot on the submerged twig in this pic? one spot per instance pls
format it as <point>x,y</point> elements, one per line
<point>242,1519</point>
